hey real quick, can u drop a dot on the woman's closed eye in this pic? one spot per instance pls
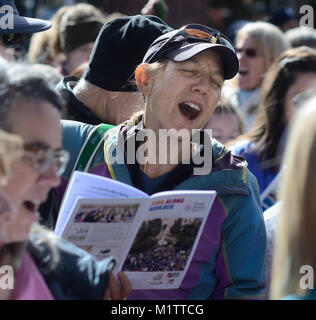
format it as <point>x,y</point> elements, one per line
<point>189,71</point>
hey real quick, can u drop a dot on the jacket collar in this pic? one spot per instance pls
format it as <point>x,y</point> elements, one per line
<point>75,108</point>
<point>228,175</point>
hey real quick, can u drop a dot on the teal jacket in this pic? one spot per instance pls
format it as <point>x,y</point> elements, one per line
<point>310,295</point>
<point>229,262</point>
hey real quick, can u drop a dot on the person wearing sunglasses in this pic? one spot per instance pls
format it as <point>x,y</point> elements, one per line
<point>292,74</point>
<point>15,29</point>
<point>258,44</point>
<point>181,78</point>
<point>44,267</point>
<point>288,79</point>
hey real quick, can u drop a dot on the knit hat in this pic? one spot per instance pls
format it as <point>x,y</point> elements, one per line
<point>119,48</point>
<point>79,25</point>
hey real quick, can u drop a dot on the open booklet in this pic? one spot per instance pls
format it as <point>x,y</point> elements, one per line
<point>152,238</point>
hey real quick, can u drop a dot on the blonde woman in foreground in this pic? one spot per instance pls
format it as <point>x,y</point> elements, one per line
<point>10,149</point>
<point>295,254</point>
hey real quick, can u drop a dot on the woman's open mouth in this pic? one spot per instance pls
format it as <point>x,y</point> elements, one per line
<point>190,110</point>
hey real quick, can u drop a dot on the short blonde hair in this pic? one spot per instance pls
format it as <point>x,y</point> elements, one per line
<point>269,39</point>
<point>296,238</point>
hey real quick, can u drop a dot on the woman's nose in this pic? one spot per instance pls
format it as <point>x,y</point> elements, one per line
<point>202,85</point>
<point>51,175</point>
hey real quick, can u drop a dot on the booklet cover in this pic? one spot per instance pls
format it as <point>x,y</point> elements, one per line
<point>151,238</point>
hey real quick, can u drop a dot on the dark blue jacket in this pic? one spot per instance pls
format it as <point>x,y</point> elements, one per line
<point>246,148</point>
<point>77,274</point>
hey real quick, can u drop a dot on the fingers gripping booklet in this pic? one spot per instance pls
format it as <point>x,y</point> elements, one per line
<point>152,238</point>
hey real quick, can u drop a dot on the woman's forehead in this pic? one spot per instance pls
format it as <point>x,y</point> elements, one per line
<point>209,58</point>
<point>35,119</point>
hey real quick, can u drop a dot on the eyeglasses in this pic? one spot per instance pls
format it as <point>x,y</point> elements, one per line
<point>196,32</point>
<point>40,157</point>
<point>250,53</point>
<point>13,40</point>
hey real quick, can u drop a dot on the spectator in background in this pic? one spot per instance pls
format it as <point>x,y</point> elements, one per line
<point>301,36</point>
<point>255,57</point>
<point>44,47</point>
<point>284,18</point>
<point>15,37</point>
<point>106,92</point>
<point>74,34</point>
<point>79,71</point>
<point>39,52</point>
<point>233,28</point>
<point>291,74</point>
<point>157,8</point>
<point>295,237</point>
<point>226,123</point>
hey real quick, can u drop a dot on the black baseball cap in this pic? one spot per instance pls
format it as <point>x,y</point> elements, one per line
<point>186,42</point>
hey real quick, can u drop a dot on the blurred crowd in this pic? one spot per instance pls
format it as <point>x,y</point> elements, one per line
<point>78,66</point>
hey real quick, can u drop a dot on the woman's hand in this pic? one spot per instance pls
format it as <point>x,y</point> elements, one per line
<point>119,288</point>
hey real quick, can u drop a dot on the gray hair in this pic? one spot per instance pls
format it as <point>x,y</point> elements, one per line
<point>301,36</point>
<point>22,81</point>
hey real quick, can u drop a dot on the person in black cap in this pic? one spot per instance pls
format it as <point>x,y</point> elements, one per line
<point>15,28</point>
<point>106,92</point>
<point>181,78</point>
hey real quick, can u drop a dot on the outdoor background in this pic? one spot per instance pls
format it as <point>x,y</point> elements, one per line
<point>214,13</point>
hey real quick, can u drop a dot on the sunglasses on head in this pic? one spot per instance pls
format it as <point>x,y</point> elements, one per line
<point>250,53</point>
<point>12,40</point>
<point>40,157</point>
<point>196,32</point>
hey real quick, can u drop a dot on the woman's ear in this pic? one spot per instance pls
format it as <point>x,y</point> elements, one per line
<point>141,76</point>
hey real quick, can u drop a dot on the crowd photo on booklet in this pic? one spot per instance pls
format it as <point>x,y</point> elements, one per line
<point>157,150</point>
